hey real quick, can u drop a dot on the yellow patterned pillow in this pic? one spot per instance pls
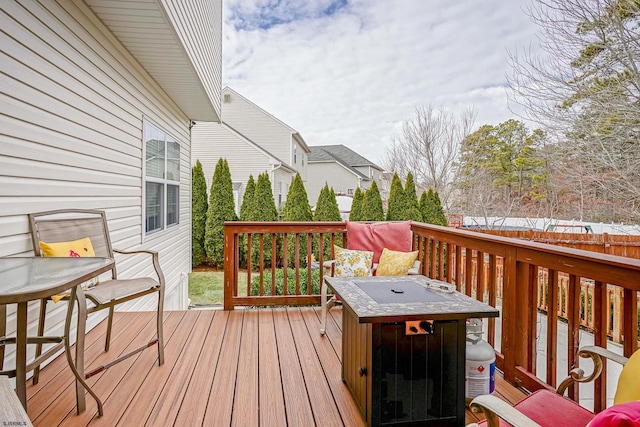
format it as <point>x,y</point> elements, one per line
<point>352,263</point>
<point>394,263</point>
<point>78,249</point>
<point>628,385</point>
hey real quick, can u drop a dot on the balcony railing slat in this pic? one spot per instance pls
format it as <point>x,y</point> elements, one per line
<point>573,321</point>
<point>552,326</point>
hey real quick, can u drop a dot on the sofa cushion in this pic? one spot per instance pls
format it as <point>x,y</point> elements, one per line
<point>352,263</point>
<point>548,408</point>
<point>628,388</point>
<point>620,415</point>
<point>377,236</point>
<point>395,263</point>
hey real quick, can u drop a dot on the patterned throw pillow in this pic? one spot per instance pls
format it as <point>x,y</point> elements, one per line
<point>352,263</point>
<point>77,249</point>
<point>394,263</point>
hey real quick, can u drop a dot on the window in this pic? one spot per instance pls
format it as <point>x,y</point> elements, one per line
<point>161,179</point>
<point>295,153</point>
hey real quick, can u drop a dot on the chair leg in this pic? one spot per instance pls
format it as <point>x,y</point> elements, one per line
<point>41,319</point>
<point>326,306</point>
<point>109,323</point>
<point>3,331</point>
<point>159,321</point>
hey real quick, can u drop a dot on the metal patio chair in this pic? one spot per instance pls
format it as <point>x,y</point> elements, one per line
<point>73,224</point>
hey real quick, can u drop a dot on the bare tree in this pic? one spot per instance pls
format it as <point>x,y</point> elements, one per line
<point>586,90</point>
<point>429,147</point>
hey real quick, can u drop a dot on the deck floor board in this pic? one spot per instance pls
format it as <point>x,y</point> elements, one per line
<point>253,367</point>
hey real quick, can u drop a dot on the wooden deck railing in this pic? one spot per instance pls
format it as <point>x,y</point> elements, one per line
<point>511,273</point>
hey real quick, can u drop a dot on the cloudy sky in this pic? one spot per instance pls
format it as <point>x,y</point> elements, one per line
<point>351,72</point>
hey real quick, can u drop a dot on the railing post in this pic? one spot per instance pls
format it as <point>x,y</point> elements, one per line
<point>230,262</point>
<point>509,315</point>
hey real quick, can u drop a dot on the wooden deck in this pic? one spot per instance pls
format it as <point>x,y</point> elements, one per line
<point>256,367</point>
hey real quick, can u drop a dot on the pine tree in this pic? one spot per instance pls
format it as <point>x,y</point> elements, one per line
<point>297,208</point>
<point>326,210</point>
<point>247,199</point>
<point>426,207</point>
<point>431,208</point>
<point>220,209</point>
<point>439,217</point>
<point>423,206</point>
<point>245,213</point>
<point>263,209</point>
<point>356,205</point>
<point>397,207</point>
<point>327,206</point>
<point>413,206</point>
<point>199,206</point>
<point>372,204</point>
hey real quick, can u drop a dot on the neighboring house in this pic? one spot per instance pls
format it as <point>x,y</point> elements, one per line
<point>253,141</point>
<point>341,168</point>
<point>97,103</point>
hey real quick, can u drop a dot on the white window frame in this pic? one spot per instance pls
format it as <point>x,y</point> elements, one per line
<point>164,180</point>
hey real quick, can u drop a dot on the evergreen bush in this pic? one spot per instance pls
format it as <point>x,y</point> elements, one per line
<point>199,206</point>
<point>263,209</point>
<point>245,214</point>
<point>291,282</point>
<point>221,209</point>
<point>356,205</point>
<point>413,206</point>
<point>372,204</point>
<point>397,206</point>
<point>297,208</point>
<point>326,210</point>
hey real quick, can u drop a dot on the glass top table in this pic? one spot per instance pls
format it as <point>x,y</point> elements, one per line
<point>24,279</point>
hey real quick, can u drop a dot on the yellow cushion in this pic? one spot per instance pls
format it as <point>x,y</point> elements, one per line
<point>77,248</point>
<point>352,263</point>
<point>394,263</point>
<point>628,385</point>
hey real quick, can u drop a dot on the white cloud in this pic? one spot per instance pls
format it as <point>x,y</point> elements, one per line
<point>351,73</point>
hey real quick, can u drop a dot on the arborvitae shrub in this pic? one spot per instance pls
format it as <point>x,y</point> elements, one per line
<point>199,205</point>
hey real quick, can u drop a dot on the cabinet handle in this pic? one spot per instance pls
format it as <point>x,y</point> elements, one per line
<point>362,371</point>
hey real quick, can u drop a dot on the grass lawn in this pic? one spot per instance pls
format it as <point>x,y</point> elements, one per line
<point>206,287</point>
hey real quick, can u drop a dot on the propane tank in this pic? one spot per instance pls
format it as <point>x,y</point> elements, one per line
<point>481,362</point>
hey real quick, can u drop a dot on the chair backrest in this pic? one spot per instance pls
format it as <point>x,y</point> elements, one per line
<point>71,224</point>
<point>396,236</point>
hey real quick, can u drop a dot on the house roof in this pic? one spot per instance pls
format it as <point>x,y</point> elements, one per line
<point>296,135</point>
<point>327,153</point>
<point>322,156</point>
<point>159,39</point>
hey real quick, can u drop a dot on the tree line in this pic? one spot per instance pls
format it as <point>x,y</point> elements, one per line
<point>209,212</point>
<point>580,158</point>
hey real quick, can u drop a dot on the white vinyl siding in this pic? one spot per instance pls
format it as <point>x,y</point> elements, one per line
<point>259,127</point>
<point>337,176</point>
<point>72,106</point>
<point>211,141</point>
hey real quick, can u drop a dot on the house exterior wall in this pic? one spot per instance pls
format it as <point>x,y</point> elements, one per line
<point>73,104</point>
<point>280,181</point>
<point>341,179</point>
<point>211,141</point>
<point>257,125</point>
<point>204,47</point>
